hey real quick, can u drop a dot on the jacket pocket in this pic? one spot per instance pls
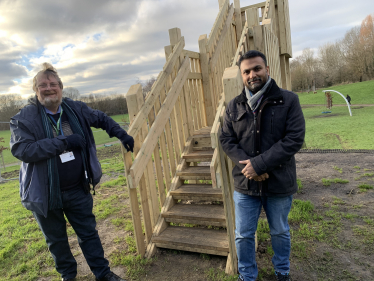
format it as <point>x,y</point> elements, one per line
<point>242,124</point>
<point>281,179</point>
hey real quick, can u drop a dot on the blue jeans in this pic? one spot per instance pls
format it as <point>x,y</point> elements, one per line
<point>77,207</point>
<point>247,212</point>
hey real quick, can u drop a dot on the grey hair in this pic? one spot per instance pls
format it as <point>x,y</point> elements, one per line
<point>47,69</point>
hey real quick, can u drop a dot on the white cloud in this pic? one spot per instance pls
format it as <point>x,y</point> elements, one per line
<point>105,46</point>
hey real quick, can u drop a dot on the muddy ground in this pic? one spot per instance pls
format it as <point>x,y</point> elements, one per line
<point>346,254</point>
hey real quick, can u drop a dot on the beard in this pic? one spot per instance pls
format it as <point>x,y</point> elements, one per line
<point>257,87</point>
<point>49,102</point>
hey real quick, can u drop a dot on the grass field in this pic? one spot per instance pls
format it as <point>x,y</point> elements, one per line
<point>338,130</point>
<point>361,93</point>
<point>100,136</point>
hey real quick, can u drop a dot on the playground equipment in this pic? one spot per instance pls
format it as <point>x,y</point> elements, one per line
<point>329,100</point>
<point>178,124</point>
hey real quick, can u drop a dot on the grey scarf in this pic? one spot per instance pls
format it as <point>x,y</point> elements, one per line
<point>254,100</point>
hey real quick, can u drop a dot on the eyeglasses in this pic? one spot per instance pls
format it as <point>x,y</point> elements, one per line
<point>45,86</point>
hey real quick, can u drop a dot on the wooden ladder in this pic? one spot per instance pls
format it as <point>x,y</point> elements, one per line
<point>193,201</point>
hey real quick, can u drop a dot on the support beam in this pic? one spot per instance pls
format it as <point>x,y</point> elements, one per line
<point>238,21</point>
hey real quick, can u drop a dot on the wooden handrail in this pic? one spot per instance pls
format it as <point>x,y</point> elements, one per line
<point>141,117</point>
<point>241,41</point>
<point>145,153</point>
<point>217,25</point>
<point>222,38</point>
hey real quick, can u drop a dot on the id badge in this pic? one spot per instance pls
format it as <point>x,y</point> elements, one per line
<point>67,156</point>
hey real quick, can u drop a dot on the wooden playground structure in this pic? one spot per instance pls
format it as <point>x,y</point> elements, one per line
<point>180,182</point>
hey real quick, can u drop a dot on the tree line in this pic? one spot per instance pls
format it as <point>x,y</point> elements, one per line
<point>350,59</point>
<point>111,104</point>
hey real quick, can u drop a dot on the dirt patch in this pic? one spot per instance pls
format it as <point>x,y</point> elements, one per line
<point>108,151</point>
<point>343,256</point>
<point>10,175</point>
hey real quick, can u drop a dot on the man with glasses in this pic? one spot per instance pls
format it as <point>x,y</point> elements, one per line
<point>52,137</point>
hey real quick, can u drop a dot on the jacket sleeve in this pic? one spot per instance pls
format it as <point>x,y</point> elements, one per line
<point>286,147</point>
<point>99,119</point>
<point>230,143</point>
<point>25,146</point>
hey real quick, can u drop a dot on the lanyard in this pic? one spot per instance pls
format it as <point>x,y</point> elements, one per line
<point>58,126</point>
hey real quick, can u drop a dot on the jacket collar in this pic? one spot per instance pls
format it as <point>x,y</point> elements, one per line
<point>273,92</point>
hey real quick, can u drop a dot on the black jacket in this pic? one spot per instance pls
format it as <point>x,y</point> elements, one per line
<point>270,139</point>
<point>29,144</point>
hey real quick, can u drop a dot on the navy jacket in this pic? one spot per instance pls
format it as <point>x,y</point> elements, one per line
<point>270,139</point>
<point>29,144</point>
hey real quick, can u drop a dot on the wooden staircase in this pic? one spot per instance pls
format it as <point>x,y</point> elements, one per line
<point>193,218</point>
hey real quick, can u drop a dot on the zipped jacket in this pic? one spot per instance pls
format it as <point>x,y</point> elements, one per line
<point>269,138</point>
<point>29,144</point>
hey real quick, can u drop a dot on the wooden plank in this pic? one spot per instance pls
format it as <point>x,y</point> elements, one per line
<point>133,198</point>
<point>258,5</point>
<point>202,143</point>
<point>157,128</point>
<point>197,192</point>
<point>232,83</point>
<point>178,144</point>
<point>194,238</point>
<point>141,116</point>
<point>207,87</point>
<point>213,168</point>
<point>197,212</point>
<point>214,33</point>
<point>175,36</point>
<point>216,120</point>
<point>258,38</point>
<point>191,54</point>
<point>238,22</point>
<point>199,156</point>
<point>229,206</point>
<point>236,56</point>
<point>195,173</point>
<point>222,38</point>
<point>195,76</point>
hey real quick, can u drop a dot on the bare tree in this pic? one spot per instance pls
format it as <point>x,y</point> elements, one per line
<point>71,93</point>
<point>146,85</point>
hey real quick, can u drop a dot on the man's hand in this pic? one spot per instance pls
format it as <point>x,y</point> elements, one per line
<point>248,170</point>
<point>75,141</point>
<point>261,178</point>
<point>128,142</point>
<point>250,173</point>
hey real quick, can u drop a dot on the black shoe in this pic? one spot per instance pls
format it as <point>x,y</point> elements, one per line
<point>68,279</point>
<point>283,277</point>
<point>111,277</point>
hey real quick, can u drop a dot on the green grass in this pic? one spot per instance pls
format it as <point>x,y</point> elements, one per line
<point>328,182</point>
<point>365,187</point>
<point>361,93</point>
<point>23,252</point>
<point>341,131</point>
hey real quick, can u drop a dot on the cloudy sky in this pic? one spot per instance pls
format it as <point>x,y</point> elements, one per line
<point>105,46</point>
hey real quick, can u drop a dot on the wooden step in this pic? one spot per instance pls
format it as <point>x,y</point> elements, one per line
<point>193,239</point>
<point>195,173</point>
<point>202,142</point>
<point>206,214</point>
<point>197,192</point>
<point>199,156</point>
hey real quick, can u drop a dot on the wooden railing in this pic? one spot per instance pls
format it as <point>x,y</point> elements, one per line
<point>191,92</point>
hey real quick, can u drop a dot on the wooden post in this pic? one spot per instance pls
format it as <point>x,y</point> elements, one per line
<point>221,2</point>
<point>232,83</point>
<point>238,20</point>
<point>131,98</point>
<point>252,20</point>
<point>207,87</point>
<point>175,35</point>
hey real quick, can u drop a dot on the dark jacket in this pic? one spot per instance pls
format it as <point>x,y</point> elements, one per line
<point>29,144</point>
<point>270,138</point>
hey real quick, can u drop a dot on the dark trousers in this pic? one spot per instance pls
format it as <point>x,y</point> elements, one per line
<point>77,207</point>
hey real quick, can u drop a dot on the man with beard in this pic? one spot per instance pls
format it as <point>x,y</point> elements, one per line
<point>52,137</point>
<point>263,129</point>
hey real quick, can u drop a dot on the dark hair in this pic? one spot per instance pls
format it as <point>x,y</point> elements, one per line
<point>252,54</point>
